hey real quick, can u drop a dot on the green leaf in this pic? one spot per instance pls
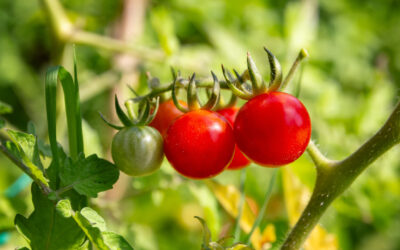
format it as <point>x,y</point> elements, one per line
<point>48,227</point>
<point>72,108</point>
<point>89,176</point>
<point>5,108</point>
<point>28,144</point>
<point>24,148</point>
<point>2,123</point>
<point>115,241</point>
<point>94,227</point>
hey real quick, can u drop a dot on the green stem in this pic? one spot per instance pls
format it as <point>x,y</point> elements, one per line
<point>335,179</point>
<point>302,54</point>
<point>45,189</point>
<point>264,205</point>
<point>243,174</point>
<point>66,32</point>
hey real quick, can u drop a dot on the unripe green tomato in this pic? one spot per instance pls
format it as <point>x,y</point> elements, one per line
<point>137,151</point>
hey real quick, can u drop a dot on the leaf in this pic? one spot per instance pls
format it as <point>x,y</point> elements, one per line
<point>28,144</point>
<point>24,148</point>
<point>2,123</point>
<point>296,197</point>
<point>238,246</point>
<point>115,241</point>
<point>206,232</point>
<point>229,197</point>
<point>72,109</point>
<point>89,176</point>
<point>5,108</point>
<point>95,228</point>
<point>47,228</point>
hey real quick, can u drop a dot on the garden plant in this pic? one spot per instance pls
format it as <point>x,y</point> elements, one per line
<point>190,134</point>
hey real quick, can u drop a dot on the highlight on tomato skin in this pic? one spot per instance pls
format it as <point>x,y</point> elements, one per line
<point>239,160</point>
<point>166,114</point>
<point>199,144</point>
<point>273,129</point>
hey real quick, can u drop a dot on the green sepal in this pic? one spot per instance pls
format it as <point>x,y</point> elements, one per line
<point>109,123</point>
<point>235,90</point>
<point>173,93</point>
<point>215,94</point>
<point>276,72</point>
<point>121,115</point>
<point>257,83</point>
<point>192,98</point>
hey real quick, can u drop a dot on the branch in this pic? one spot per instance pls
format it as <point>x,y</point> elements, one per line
<point>333,181</point>
<point>66,32</point>
<point>45,189</point>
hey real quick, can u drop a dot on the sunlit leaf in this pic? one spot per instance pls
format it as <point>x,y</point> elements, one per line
<point>89,176</point>
<point>229,197</point>
<point>46,228</point>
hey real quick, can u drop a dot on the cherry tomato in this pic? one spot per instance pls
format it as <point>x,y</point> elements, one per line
<point>273,129</point>
<point>166,114</point>
<point>137,151</point>
<point>200,144</point>
<point>239,160</point>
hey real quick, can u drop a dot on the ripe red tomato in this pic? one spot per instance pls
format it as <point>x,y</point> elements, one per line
<point>239,160</point>
<point>166,114</point>
<point>199,144</point>
<point>273,129</point>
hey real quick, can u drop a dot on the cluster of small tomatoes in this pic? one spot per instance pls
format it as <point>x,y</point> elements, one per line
<point>272,129</point>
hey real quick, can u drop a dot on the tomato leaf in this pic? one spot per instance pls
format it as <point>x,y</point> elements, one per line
<point>23,147</point>
<point>95,228</point>
<point>2,123</point>
<point>47,227</point>
<point>5,108</point>
<point>89,176</point>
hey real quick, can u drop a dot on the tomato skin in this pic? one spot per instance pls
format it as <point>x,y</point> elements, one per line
<point>239,159</point>
<point>199,144</point>
<point>166,114</point>
<point>273,129</point>
<point>137,151</point>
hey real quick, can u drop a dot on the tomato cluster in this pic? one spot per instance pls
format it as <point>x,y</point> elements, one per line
<point>272,129</point>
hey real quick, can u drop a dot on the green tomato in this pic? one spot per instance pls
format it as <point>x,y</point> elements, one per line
<point>137,151</point>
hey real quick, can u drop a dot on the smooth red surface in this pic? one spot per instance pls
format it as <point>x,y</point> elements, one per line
<point>239,160</point>
<point>200,144</point>
<point>166,114</point>
<point>273,129</point>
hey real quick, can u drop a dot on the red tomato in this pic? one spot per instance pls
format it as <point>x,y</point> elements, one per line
<point>239,160</point>
<point>166,114</point>
<point>199,144</point>
<point>273,129</point>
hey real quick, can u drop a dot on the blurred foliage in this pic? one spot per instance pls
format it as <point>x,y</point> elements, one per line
<point>350,83</point>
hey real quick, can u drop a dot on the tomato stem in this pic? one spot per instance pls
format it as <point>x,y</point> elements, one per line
<point>302,55</point>
<point>334,177</point>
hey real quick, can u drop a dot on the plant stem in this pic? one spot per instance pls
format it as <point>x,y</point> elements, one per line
<point>66,32</point>
<point>45,189</point>
<point>333,181</point>
<point>243,174</point>
<point>302,54</point>
<point>264,205</point>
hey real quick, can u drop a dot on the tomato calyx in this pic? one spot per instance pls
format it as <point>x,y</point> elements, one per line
<point>258,86</point>
<point>145,114</point>
<point>192,96</point>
